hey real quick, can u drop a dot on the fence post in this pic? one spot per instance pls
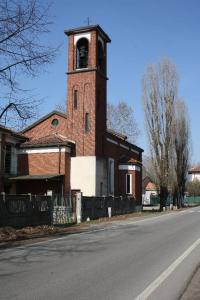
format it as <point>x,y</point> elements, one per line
<point>78,207</point>
<point>51,214</point>
<point>4,196</point>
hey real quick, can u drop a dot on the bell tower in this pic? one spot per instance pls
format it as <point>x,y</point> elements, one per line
<point>87,88</point>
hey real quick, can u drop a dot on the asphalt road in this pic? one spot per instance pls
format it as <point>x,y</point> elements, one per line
<point>147,259</point>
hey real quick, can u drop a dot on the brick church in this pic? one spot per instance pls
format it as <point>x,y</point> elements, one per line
<point>75,151</point>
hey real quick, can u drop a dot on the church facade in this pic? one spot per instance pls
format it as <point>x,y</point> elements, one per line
<point>75,151</point>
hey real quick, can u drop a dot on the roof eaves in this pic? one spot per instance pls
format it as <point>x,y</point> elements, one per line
<point>36,177</point>
<point>117,134</point>
<point>88,28</point>
<point>123,138</point>
<point>44,145</point>
<point>13,133</point>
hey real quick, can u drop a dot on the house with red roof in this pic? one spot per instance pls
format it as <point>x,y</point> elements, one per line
<point>194,173</point>
<point>149,190</point>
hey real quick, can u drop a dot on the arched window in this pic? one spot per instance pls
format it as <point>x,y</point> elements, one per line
<point>82,53</point>
<point>100,56</point>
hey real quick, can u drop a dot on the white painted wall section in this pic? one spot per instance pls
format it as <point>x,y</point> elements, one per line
<point>101,177</point>
<point>83,174</point>
<point>194,176</point>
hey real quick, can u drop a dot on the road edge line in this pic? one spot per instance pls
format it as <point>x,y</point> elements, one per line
<point>161,278</point>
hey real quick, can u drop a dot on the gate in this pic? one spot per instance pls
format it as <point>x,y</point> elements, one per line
<point>62,210</point>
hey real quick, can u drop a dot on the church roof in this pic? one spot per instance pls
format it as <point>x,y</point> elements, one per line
<point>122,139</point>
<point>54,112</point>
<point>117,134</point>
<point>88,28</point>
<point>54,139</point>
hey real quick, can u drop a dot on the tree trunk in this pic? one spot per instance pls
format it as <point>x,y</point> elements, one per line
<point>163,197</point>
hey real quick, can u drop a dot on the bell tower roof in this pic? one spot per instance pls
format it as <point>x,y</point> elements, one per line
<point>88,28</point>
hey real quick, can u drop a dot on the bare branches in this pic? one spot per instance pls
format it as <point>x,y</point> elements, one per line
<point>22,25</point>
<point>120,118</point>
<point>159,88</point>
<point>181,142</point>
<point>16,110</point>
<point>167,128</point>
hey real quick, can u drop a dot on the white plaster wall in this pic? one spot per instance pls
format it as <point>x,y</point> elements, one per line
<point>147,196</point>
<point>101,177</point>
<point>195,176</point>
<point>83,174</point>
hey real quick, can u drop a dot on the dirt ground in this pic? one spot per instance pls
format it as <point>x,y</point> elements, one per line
<point>10,234</point>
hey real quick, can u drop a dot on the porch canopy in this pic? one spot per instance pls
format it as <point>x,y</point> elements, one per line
<point>36,177</point>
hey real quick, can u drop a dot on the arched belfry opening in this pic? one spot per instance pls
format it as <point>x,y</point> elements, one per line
<point>101,59</point>
<point>82,51</point>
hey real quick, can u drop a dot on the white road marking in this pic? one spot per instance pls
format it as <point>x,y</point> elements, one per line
<point>155,284</point>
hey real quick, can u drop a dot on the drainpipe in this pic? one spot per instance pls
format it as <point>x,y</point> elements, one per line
<point>59,159</point>
<point>59,167</point>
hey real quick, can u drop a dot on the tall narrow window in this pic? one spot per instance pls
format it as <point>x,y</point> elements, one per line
<point>100,56</point>
<point>82,53</point>
<point>8,159</point>
<point>111,176</point>
<point>128,183</point>
<point>75,99</point>
<point>86,121</point>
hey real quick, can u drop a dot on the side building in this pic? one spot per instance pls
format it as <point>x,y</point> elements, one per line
<point>9,145</point>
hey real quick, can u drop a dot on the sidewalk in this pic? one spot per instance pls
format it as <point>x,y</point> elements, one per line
<point>192,291</point>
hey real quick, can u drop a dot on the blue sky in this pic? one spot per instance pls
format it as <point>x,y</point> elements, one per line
<point>142,32</point>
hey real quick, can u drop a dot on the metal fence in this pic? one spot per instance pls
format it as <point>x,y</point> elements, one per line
<point>192,200</point>
<point>62,211</point>
<point>97,207</point>
<point>188,200</point>
<point>32,210</point>
<point>25,210</point>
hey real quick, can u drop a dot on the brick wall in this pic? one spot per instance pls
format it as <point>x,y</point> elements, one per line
<point>91,87</point>
<point>136,184</point>
<point>46,163</point>
<point>42,163</point>
<point>84,83</point>
<point>121,155</point>
<point>45,128</point>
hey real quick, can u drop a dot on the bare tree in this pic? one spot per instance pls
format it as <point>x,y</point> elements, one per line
<point>159,92</point>
<point>121,118</point>
<point>22,25</point>
<point>181,142</point>
<point>62,106</point>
